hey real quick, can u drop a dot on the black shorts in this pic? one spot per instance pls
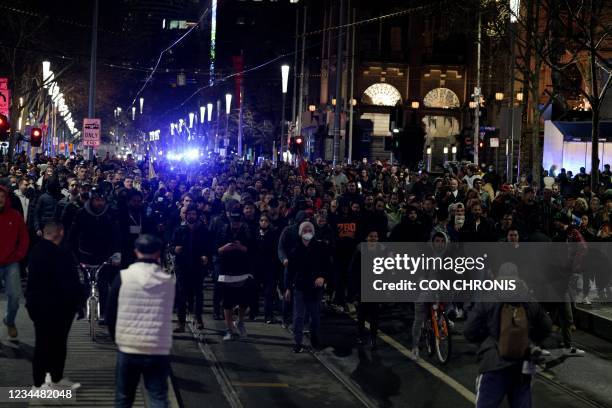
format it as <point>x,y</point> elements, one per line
<point>236,294</point>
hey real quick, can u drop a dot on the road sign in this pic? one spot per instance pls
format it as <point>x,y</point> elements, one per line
<point>5,97</point>
<point>494,142</point>
<point>91,132</point>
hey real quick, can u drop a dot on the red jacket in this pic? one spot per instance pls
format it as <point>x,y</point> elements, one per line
<point>14,239</point>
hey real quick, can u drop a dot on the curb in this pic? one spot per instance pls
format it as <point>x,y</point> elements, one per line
<point>592,322</point>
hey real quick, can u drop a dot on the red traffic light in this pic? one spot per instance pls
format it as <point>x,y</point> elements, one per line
<point>481,145</point>
<point>36,137</point>
<point>298,140</point>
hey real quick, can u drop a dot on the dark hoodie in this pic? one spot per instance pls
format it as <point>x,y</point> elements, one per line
<point>14,240</point>
<point>44,211</point>
<point>289,238</point>
<point>94,237</point>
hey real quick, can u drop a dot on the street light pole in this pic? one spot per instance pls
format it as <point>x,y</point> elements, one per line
<point>92,70</point>
<point>338,106</point>
<point>350,141</point>
<point>477,92</point>
<point>228,109</point>
<point>285,81</point>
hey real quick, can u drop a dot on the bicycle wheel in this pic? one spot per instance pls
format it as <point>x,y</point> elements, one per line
<point>429,337</point>
<point>92,305</point>
<point>444,340</point>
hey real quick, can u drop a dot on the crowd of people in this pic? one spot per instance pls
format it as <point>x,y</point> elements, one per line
<point>279,236</point>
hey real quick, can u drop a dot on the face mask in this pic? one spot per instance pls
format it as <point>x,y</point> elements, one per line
<point>307,236</point>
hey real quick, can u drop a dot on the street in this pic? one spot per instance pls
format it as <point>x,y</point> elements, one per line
<point>262,371</point>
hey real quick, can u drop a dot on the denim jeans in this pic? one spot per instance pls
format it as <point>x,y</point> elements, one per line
<point>304,307</point>
<point>155,370</point>
<point>493,387</point>
<point>9,274</point>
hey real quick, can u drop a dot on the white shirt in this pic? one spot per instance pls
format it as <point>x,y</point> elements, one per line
<point>25,203</point>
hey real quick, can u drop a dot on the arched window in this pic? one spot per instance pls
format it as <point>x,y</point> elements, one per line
<point>442,98</point>
<point>381,94</point>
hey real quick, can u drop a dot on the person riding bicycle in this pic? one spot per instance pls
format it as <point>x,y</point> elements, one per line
<point>439,245</point>
<point>94,238</point>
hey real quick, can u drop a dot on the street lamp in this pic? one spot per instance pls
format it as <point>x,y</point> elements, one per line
<point>228,106</point>
<point>141,104</point>
<point>454,152</point>
<point>285,83</point>
<point>228,103</point>
<point>519,96</point>
<point>209,106</point>
<point>415,105</point>
<point>428,152</point>
<point>202,113</point>
<point>312,108</point>
<point>499,96</point>
<point>191,118</point>
<point>133,112</point>
<point>445,150</point>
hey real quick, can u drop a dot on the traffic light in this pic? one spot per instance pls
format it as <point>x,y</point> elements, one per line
<point>396,120</point>
<point>36,137</point>
<point>4,128</point>
<point>481,144</point>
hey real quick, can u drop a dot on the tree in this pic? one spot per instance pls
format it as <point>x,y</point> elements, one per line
<point>561,36</point>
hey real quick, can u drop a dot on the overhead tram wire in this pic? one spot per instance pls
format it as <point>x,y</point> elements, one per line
<point>361,22</point>
<point>372,20</point>
<point>161,55</point>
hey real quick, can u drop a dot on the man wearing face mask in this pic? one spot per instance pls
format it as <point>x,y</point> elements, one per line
<point>306,274</point>
<point>192,246</point>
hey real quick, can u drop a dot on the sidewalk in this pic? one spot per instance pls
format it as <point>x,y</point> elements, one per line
<point>595,318</point>
<point>91,364</point>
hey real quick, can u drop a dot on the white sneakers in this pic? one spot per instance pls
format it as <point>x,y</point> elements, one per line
<point>241,328</point>
<point>414,356</point>
<point>65,383</point>
<point>573,351</point>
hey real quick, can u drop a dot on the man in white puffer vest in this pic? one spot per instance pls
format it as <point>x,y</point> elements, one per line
<point>139,316</point>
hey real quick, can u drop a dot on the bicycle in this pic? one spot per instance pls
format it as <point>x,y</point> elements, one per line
<point>90,276</point>
<point>436,333</point>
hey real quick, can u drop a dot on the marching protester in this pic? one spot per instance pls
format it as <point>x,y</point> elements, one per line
<point>139,317</point>
<point>53,297</point>
<point>280,237</point>
<point>235,275</point>
<point>307,271</point>
<point>192,245</point>
<point>14,242</point>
